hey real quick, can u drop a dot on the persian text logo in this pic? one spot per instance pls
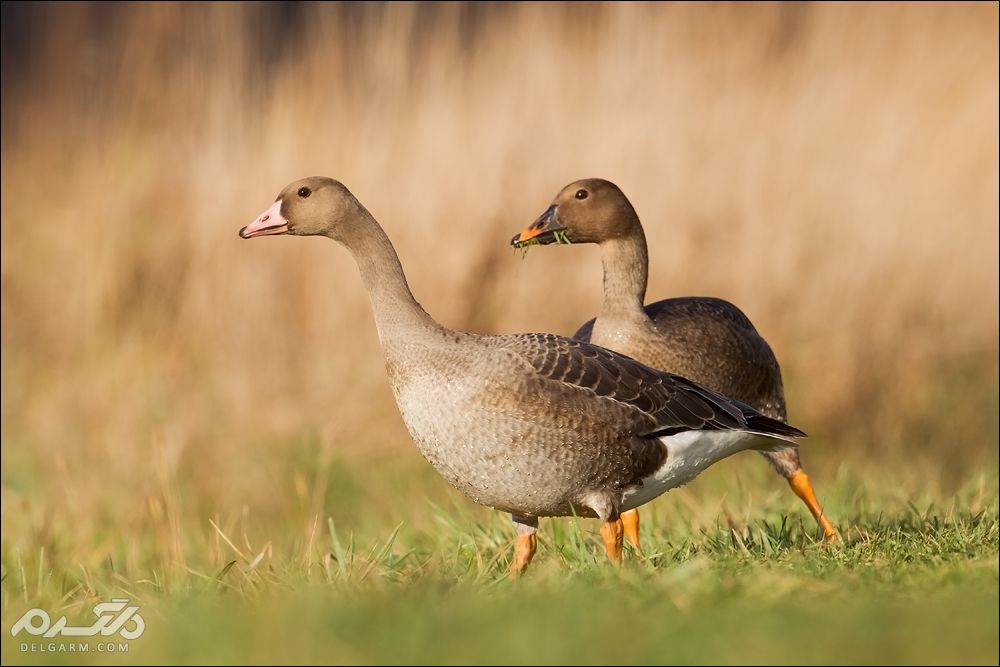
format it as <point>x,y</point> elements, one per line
<point>112,618</point>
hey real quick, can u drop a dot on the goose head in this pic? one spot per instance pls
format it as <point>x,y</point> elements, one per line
<point>591,210</point>
<point>314,206</point>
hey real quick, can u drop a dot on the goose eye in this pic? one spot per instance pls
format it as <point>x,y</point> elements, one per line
<point>304,192</point>
<point>581,194</point>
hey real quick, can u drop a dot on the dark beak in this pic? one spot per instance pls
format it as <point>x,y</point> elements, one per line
<point>543,230</point>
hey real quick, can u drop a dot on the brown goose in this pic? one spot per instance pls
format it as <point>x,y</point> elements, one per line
<point>705,339</point>
<point>530,424</point>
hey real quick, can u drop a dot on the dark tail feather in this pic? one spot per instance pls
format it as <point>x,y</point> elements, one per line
<point>761,424</point>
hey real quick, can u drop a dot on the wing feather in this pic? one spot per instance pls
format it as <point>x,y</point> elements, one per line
<point>669,403</point>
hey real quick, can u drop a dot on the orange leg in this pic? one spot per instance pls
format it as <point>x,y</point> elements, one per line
<point>524,545</point>
<point>799,482</point>
<point>630,521</point>
<point>524,550</point>
<point>612,533</point>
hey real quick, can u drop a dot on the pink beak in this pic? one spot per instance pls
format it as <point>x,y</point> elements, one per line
<point>267,223</point>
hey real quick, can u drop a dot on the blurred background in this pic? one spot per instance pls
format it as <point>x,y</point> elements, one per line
<point>832,169</point>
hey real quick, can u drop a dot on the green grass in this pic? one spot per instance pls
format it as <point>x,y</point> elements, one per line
<point>907,583</point>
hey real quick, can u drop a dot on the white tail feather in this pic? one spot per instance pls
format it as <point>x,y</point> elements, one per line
<point>691,452</point>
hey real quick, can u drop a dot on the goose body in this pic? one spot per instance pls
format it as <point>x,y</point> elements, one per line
<point>540,425</point>
<point>531,424</point>
<point>705,339</point>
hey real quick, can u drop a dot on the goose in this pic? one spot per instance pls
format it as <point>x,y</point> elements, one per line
<point>704,339</point>
<point>534,425</point>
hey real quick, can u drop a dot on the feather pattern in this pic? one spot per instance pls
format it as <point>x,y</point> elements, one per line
<point>664,403</point>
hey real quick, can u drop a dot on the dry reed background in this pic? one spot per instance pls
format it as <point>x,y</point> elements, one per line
<point>832,169</point>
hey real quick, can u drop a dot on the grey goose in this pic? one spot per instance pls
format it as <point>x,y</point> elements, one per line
<point>705,339</point>
<point>532,424</point>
